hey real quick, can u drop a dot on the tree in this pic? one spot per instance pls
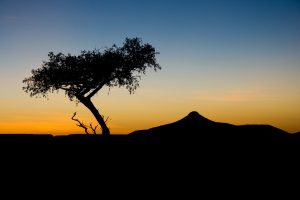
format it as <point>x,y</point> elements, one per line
<point>82,77</point>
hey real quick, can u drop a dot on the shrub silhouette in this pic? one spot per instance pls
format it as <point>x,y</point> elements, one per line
<point>83,76</point>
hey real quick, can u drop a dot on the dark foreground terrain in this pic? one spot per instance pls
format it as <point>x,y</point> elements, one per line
<point>191,148</point>
<point>193,130</point>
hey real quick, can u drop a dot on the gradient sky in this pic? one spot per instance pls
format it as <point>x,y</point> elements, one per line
<point>235,61</point>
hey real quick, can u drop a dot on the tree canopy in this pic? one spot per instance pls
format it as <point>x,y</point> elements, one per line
<point>84,75</point>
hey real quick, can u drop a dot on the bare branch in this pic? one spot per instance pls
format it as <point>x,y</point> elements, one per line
<point>80,124</point>
<point>105,120</point>
<point>94,129</point>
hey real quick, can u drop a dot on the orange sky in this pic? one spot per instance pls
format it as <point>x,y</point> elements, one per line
<point>151,106</point>
<point>232,61</point>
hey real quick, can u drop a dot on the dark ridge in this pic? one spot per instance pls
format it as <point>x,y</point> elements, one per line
<point>193,130</point>
<point>196,129</point>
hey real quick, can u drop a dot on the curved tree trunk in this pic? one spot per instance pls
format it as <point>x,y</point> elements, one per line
<point>89,104</point>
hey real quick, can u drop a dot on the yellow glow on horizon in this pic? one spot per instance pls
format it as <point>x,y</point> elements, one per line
<point>233,107</point>
<point>152,106</point>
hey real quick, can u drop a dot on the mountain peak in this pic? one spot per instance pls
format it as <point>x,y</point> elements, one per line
<point>195,116</point>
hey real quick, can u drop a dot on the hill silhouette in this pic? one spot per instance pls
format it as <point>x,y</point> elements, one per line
<point>193,130</point>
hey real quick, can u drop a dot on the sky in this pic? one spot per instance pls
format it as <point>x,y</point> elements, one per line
<point>235,61</point>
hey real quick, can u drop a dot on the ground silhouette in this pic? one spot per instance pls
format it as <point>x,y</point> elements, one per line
<point>196,129</point>
<point>193,130</point>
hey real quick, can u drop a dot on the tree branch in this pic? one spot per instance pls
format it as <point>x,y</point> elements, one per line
<point>62,88</point>
<point>84,91</point>
<point>94,129</point>
<point>106,120</point>
<point>81,124</point>
<point>95,91</point>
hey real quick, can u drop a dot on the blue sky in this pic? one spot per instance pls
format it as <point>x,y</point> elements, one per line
<point>205,45</point>
<point>186,24</point>
<point>188,29</point>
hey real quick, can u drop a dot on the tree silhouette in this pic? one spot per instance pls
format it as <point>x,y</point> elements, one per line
<point>83,76</point>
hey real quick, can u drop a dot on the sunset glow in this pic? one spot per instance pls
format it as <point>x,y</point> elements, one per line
<point>235,62</point>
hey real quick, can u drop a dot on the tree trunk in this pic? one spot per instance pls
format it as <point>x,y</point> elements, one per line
<point>89,104</point>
